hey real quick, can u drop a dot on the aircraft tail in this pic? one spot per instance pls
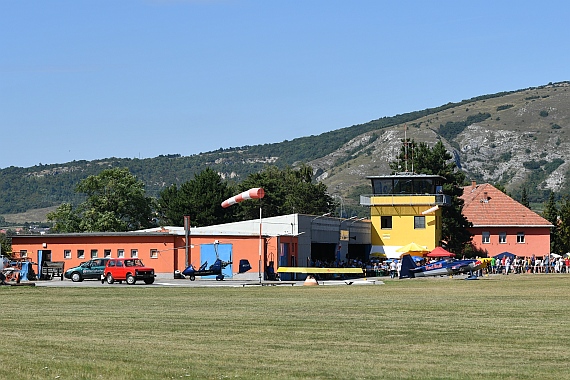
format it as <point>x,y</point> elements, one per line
<point>407,265</point>
<point>244,265</point>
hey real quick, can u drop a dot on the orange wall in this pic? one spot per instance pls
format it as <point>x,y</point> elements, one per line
<point>537,241</point>
<point>171,248</point>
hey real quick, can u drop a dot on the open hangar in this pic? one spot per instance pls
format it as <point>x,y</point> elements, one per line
<point>288,240</point>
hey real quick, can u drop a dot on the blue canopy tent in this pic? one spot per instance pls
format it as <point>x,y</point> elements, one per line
<point>505,254</point>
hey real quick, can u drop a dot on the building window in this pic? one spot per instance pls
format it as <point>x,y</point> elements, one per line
<point>134,253</point>
<point>386,222</point>
<point>502,237</point>
<point>154,253</point>
<point>486,237</point>
<point>520,237</point>
<point>80,254</point>
<point>67,253</point>
<point>23,253</point>
<point>419,222</point>
<point>120,253</point>
<point>94,253</point>
<point>107,253</point>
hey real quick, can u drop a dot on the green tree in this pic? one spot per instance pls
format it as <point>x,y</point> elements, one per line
<point>438,161</point>
<point>6,244</point>
<point>171,207</point>
<point>116,202</point>
<point>524,198</point>
<point>564,226</point>
<point>551,214</point>
<point>65,219</point>
<point>200,198</point>
<point>287,191</point>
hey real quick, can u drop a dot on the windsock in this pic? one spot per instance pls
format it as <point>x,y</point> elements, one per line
<point>255,193</point>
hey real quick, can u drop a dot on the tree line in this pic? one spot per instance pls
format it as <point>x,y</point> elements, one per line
<point>558,214</point>
<point>116,200</point>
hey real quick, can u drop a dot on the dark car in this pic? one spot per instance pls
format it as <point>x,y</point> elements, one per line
<point>92,269</point>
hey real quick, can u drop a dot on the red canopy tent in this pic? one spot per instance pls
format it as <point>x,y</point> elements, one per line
<point>440,252</point>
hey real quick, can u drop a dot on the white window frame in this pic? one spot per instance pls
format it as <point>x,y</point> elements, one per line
<point>502,238</point>
<point>120,253</point>
<point>94,253</point>
<point>107,253</point>
<point>520,237</point>
<point>485,237</point>
<point>134,253</point>
<point>80,253</point>
<point>67,254</point>
<point>154,253</point>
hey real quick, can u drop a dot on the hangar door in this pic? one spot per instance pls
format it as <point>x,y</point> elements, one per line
<point>323,252</point>
<point>224,251</point>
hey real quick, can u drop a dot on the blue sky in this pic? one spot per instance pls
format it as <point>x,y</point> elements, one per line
<point>83,80</point>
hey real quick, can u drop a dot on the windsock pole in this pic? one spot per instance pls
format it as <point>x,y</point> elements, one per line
<point>260,244</point>
<point>254,193</point>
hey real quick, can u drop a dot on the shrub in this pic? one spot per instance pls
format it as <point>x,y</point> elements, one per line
<point>504,107</point>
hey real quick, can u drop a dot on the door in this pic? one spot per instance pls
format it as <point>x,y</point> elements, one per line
<point>284,260</point>
<point>224,252</point>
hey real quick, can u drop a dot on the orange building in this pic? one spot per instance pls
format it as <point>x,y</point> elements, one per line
<point>501,224</point>
<point>287,240</point>
<point>164,250</point>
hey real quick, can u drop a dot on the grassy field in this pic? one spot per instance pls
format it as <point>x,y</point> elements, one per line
<point>513,327</point>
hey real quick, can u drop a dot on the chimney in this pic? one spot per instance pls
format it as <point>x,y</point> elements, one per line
<point>473,185</point>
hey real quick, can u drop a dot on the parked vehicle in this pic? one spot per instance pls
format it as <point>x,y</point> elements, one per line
<point>129,270</point>
<point>92,269</point>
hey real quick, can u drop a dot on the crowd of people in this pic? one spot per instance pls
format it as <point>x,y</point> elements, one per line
<point>516,265</point>
<point>505,265</point>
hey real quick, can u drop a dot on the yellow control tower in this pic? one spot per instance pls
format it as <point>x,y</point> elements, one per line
<point>405,208</point>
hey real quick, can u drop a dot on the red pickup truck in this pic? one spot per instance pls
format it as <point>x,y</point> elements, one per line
<point>129,270</point>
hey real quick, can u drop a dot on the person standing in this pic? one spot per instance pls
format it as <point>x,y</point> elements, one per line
<point>392,269</point>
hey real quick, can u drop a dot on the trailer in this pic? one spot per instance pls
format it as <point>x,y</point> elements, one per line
<point>52,269</point>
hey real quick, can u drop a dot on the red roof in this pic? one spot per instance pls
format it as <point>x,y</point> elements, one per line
<point>485,205</point>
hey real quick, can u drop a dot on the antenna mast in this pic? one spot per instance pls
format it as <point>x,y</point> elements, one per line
<point>406,147</point>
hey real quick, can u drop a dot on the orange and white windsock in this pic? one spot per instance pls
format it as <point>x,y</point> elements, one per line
<point>255,193</point>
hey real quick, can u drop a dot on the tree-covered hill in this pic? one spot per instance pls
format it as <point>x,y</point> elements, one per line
<point>342,158</point>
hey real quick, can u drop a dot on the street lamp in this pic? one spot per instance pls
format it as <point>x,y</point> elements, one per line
<point>340,235</point>
<point>354,221</point>
<point>341,204</point>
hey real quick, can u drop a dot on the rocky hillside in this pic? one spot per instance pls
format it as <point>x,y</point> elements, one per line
<point>518,139</point>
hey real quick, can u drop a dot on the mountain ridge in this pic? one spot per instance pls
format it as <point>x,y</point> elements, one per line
<point>513,138</point>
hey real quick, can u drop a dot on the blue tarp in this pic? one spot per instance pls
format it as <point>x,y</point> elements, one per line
<point>503,254</point>
<point>24,271</point>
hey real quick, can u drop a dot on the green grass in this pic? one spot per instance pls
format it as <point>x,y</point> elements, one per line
<point>513,327</point>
